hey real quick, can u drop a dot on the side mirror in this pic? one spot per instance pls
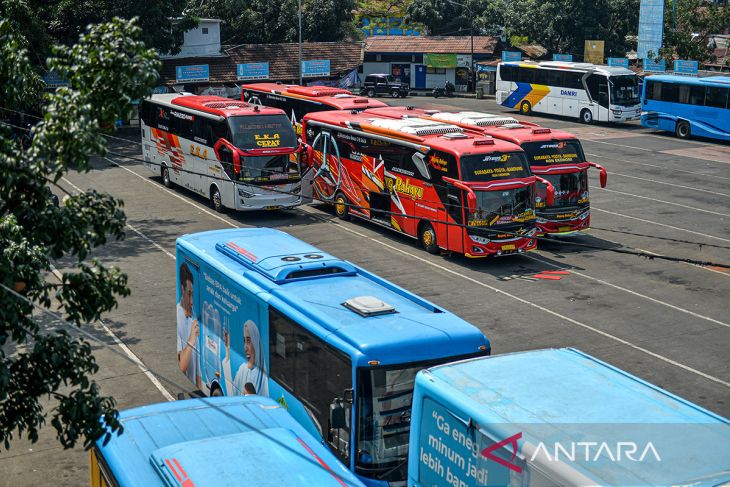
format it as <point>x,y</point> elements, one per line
<point>223,143</point>
<point>603,174</point>
<point>549,190</point>
<point>471,197</point>
<point>338,417</point>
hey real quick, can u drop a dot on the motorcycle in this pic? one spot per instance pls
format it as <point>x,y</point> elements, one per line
<point>446,91</point>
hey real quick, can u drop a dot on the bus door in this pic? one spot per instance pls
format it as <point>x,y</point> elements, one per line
<point>455,233</point>
<point>451,199</point>
<point>597,85</point>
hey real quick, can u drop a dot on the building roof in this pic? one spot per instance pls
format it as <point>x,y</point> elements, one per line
<point>282,59</point>
<point>431,44</point>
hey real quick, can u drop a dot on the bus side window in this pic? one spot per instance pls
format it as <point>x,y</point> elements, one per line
<point>312,371</point>
<point>654,90</point>
<point>717,97</point>
<point>202,131</point>
<point>572,80</point>
<point>598,88</point>
<point>147,113</point>
<point>508,72</point>
<point>526,75</point>
<point>697,95</point>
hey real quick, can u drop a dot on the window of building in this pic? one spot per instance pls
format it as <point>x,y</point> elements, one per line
<point>430,70</point>
<point>205,30</point>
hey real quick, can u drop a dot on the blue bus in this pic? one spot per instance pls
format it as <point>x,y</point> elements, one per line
<point>558,417</point>
<point>698,107</point>
<point>222,441</point>
<point>261,312</point>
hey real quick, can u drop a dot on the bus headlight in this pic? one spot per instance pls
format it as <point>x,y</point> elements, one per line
<point>245,194</point>
<point>616,112</point>
<point>541,220</point>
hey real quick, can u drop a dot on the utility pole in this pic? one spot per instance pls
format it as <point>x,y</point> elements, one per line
<point>299,5</point>
<point>472,73</point>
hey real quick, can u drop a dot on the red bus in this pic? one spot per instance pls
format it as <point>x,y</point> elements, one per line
<point>454,190</point>
<point>554,155</point>
<point>297,101</point>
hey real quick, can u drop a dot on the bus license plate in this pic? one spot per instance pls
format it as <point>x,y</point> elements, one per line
<point>271,208</point>
<point>563,229</point>
<point>508,247</point>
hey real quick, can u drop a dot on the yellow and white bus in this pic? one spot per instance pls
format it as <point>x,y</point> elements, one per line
<point>240,156</point>
<point>582,90</point>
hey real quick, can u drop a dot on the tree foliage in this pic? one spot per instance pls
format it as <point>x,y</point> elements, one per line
<point>264,22</point>
<point>688,27</point>
<point>49,22</point>
<point>107,68</point>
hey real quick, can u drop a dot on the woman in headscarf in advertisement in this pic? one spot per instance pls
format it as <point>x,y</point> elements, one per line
<point>251,377</point>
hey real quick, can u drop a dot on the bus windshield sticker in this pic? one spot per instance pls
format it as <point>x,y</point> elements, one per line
<point>267,140</point>
<point>495,166</point>
<point>553,152</point>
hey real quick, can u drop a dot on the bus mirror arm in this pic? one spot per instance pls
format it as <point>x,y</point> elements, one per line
<point>235,154</point>
<point>604,174</point>
<point>337,415</point>
<point>549,190</point>
<point>471,197</point>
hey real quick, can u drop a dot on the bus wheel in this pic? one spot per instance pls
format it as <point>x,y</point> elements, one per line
<point>682,129</point>
<point>215,199</point>
<point>166,177</point>
<point>371,93</point>
<point>427,237</point>
<point>342,208</point>
<point>586,116</point>
<point>525,107</point>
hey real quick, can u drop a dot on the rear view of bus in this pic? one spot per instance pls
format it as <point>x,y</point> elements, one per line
<point>454,190</point>
<point>689,107</point>
<point>240,156</point>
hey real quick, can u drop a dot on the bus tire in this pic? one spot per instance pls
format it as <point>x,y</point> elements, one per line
<point>165,175</point>
<point>215,199</point>
<point>342,208</point>
<point>586,116</point>
<point>526,108</point>
<point>682,130</point>
<point>395,94</point>
<point>427,237</point>
<point>371,93</point>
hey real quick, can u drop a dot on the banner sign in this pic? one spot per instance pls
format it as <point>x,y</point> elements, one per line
<point>252,71</point>
<point>53,80</point>
<point>659,67</point>
<point>511,55</point>
<point>315,68</point>
<point>198,72</point>
<point>563,57</point>
<point>440,60</point>
<point>593,52</point>
<point>686,67</point>
<point>651,27</point>
<point>618,61</point>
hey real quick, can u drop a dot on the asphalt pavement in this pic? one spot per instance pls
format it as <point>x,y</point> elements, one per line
<point>666,322</point>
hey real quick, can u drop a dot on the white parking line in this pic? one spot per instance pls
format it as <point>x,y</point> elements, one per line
<point>608,159</point>
<point>668,184</point>
<point>660,201</point>
<point>312,211</point>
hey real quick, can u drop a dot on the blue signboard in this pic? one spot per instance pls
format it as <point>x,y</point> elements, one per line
<point>659,67</point>
<point>53,80</point>
<point>618,61</point>
<point>198,72</point>
<point>651,27</point>
<point>252,71</point>
<point>315,68</point>
<point>562,57</point>
<point>511,56</point>
<point>686,67</point>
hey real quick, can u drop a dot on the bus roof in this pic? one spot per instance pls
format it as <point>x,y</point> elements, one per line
<point>337,98</point>
<point>414,129</point>
<point>570,392</point>
<point>690,80</point>
<point>298,278</point>
<point>499,126</point>
<point>219,441</point>
<point>572,66</point>
<point>215,106</point>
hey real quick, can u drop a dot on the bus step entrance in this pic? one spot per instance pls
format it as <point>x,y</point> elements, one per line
<point>380,207</point>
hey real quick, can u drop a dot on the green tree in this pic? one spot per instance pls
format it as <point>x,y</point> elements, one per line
<point>688,27</point>
<point>106,69</point>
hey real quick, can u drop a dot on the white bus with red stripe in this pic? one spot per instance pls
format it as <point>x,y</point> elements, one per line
<point>240,156</point>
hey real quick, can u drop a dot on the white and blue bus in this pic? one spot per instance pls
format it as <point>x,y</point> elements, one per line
<point>698,107</point>
<point>581,90</point>
<point>221,441</point>
<point>261,312</point>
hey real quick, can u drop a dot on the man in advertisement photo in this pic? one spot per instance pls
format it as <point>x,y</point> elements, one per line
<point>188,329</point>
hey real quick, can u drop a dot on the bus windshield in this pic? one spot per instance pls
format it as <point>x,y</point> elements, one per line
<point>262,132</point>
<point>552,152</point>
<point>494,166</point>
<point>505,207</point>
<point>570,189</point>
<point>268,169</point>
<point>624,90</point>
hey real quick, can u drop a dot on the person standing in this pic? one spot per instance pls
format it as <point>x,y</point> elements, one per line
<point>188,329</point>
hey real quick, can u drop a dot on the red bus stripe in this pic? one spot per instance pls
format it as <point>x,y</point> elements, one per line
<point>171,467</point>
<point>177,464</point>
<point>321,462</point>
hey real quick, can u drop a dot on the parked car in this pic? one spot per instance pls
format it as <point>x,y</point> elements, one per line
<point>383,84</point>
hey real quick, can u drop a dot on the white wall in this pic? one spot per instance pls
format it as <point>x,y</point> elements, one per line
<point>197,43</point>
